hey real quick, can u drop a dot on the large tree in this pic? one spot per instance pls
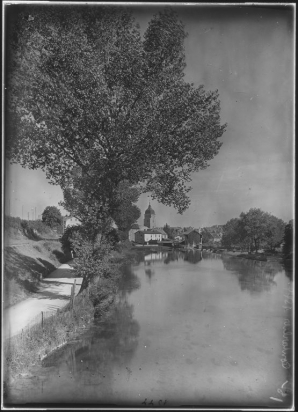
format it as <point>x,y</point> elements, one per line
<point>87,94</point>
<point>253,230</point>
<point>169,231</point>
<point>232,233</point>
<point>52,217</point>
<point>275,232</point>
<point>126,212</point>
<point>288,239</point>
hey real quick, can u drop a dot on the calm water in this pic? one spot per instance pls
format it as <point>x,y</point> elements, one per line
<point>188,329</point>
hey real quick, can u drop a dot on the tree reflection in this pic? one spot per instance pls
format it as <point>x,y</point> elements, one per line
<point>107,345</point>
<point>193,256</point>
<point>288,268</point>
<point>211,255</point>
<point>254,276</point>
<point>149,273</point>
<point>129,280</point>
<point>173,256</point>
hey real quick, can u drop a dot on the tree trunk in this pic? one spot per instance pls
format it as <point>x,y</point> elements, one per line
<point>84,285</point>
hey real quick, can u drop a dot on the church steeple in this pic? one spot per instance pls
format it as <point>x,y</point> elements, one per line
<point>149,217</point>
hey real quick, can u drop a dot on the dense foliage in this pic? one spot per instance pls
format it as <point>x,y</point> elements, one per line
<point>169,231</point>
<point>207,237</point>
<point>30,228</point>
<point>253,230</point>
<point>67,238</point>
<point>52,217</point>
<point>87,93</point>
<point>106,114</point>
<point>288,239</point>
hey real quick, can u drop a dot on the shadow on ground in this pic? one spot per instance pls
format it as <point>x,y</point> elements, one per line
<point>61,273</point>
<point>25,270</point>
<point>61,257</point>
<point>44,294</point>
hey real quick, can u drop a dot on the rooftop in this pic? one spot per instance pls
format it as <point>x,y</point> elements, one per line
<point>149,210</point>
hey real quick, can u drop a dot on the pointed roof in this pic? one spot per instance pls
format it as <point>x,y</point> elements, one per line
<point>149,211</point>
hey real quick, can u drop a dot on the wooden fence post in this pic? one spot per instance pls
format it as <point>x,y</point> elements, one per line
<point>73,292</point>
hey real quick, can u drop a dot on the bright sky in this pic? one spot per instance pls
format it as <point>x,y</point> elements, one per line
<point>247,53</point>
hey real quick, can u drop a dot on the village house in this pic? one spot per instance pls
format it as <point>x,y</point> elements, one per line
<point>149,225</point>
<point>148,236</point>
<point>193,238</point>
<point>135,228</point>
<point>162,232</point>
<point>69,221</point>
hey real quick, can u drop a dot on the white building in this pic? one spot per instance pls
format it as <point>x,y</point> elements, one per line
<point>146,236</point>
<point>163,233</point>
<point>70,221</point>
<point>134,229</point>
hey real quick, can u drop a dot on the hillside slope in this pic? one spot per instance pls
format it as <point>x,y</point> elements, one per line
<point>29,255</point>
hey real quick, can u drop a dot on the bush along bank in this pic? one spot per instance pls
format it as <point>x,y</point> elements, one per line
<point>260,258</point>
<point>95,302</point>
<point>33,345</point>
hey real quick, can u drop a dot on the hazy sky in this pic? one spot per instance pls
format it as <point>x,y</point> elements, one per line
<point>247,53</point>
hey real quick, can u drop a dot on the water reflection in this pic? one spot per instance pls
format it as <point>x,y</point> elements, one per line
<point>211,256</point>
<point>149,273</point>
<point>129,280</point>
<point>173,255</point>
<point>254,276</point>
<point>157,256</point>
<point>193,256</point>
<point>91,362</point>
<point>182,343</point>
<point>288,268</point>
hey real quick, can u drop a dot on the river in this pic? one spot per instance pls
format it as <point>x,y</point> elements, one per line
<point>188,329</point>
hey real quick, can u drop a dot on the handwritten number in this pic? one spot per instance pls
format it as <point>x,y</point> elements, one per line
<point>152,404</point>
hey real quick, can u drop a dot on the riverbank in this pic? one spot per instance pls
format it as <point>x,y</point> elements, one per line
<point>196,310</point>
<point>262,257</point>
<point>26,263</point>
<point>52,293</point>
<point>21,351</point>
<point>30,347</point>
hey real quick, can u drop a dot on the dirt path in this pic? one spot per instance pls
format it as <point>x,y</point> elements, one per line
<point>54,293</point>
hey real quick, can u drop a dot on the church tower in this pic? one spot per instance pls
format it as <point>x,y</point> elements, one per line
<point>149,217</point>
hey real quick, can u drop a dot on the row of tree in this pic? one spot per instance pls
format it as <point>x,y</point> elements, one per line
<point>254,230</point>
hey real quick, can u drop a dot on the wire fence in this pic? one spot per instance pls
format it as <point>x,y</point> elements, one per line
<point>44,321</point>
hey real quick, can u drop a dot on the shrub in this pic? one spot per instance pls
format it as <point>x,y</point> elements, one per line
<point>26,349</point>
<point>12,222</point>
<point>67,238</point>
<point>39,226</point>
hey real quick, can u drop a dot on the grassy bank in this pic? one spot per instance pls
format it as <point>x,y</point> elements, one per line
<point>26,264</point>
<point>30,348</point>
<point>32,250</point>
